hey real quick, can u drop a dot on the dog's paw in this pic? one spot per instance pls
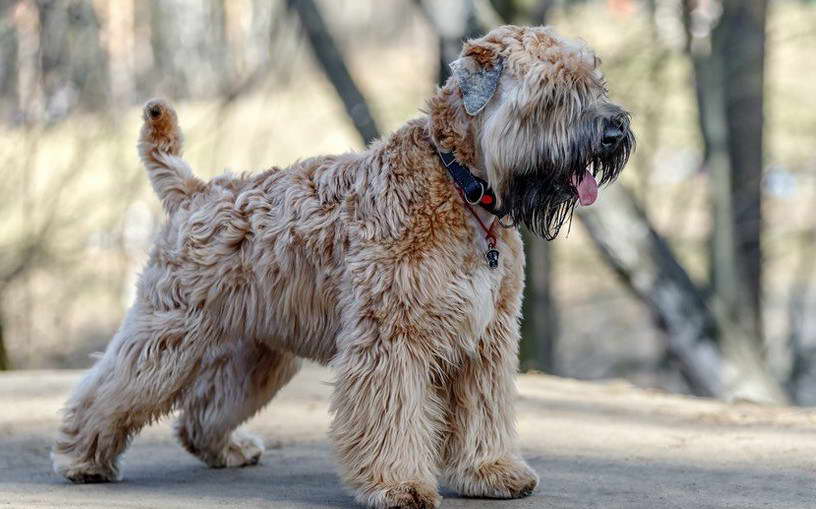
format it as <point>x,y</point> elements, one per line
<point>504,478</point>
<point>83,472</point>
<point>243,450</point>
<point>403,495</point>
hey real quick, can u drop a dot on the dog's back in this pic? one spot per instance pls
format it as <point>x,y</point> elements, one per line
<point>265,256</point>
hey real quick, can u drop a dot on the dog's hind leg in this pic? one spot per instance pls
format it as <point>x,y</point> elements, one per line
<point>150,361</point>
<point>229,390</point>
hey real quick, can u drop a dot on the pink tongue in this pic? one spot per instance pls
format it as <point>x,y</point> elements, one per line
<point>587,189</point>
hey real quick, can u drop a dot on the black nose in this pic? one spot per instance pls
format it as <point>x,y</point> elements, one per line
<point>612,136</point>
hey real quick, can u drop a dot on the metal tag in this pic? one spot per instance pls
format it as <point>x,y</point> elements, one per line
<point>492,256</point>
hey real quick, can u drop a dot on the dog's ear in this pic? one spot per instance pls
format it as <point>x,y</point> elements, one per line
<point>477,74</point>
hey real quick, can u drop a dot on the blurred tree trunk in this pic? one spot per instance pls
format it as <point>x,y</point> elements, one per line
<point>740,39</point>
<point>216,46</point>
<point>14,265</point>
<point>333,65</point>
<point>727,53</point>
<point>521,12</point>
<point>454,21</point>
<point>539,316</point>
<point>73,63</point>
<point>4,360</point>
<point>702,338</point>
<point>801,357</point>
<point>9,97</point>
<point>166,73</point>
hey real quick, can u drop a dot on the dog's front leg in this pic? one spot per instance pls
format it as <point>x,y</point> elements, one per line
<point>386,424</point>
<point>481,454</point>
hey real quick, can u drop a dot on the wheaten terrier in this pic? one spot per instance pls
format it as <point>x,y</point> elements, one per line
<point>396,266</point>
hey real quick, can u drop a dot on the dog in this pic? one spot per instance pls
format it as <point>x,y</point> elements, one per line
<point>398,266</point>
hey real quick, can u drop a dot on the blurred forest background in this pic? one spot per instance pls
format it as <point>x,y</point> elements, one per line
<point>694,273</point>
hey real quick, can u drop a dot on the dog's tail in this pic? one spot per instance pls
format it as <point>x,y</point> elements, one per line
<point>160,146</point>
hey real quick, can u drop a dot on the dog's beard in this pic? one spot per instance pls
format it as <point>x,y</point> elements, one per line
<point>544,199</point>
<point>542,205</point>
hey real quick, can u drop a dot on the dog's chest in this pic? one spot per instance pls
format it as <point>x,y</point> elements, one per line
<point>491,290</point>
<point>483,289</point>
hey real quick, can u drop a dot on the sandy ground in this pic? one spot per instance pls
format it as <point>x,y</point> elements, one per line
<point>594,445</point>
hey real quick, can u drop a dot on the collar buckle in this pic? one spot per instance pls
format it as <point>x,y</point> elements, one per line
<point>474,189</point>
<point>477,201</point>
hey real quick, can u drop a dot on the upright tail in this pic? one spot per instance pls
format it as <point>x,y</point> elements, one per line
<point>160,146</point>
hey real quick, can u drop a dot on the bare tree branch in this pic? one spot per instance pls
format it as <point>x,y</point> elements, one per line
<point>645,263</point>
<point>332,63</point>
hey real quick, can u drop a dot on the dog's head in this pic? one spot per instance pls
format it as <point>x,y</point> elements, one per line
<point>531,110</point>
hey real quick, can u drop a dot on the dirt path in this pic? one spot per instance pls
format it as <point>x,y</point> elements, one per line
<point>595,446</point>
